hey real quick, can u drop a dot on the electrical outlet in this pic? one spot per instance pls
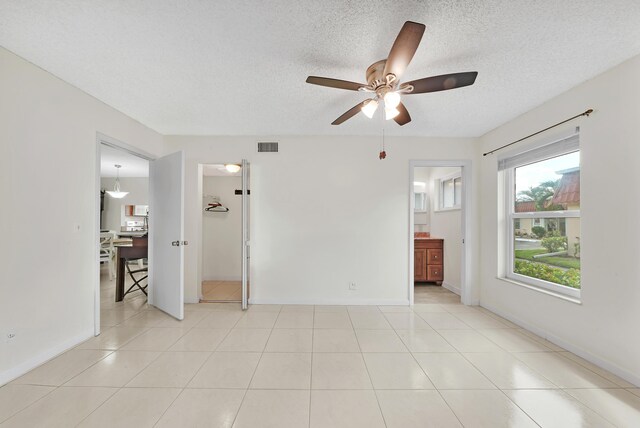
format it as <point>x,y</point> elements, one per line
<point>352,286</point>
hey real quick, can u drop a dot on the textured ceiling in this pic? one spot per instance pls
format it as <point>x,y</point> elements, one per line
<point>239,67</point>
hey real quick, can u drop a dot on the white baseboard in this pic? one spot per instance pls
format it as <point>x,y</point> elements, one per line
<point>17,371</point>
<point>191,300</point>
<point>598,361</point>
<point>452,288</point>
<point>331,302</point>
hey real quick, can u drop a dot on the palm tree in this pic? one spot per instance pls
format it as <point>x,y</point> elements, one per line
<point>540,194</point>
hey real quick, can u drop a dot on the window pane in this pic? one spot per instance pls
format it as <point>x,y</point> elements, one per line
<point>548,185</point>
<point>457,191</point>
<point>447,190</point>
<point>549,251</point>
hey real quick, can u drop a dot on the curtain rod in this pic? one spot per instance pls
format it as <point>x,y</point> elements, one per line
<point>586,113</point>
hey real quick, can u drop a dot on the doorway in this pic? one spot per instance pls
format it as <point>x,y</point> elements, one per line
<point>438,218</point>
<point>224,250</point>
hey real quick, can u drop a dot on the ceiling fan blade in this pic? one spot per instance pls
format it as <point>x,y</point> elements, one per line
<point>442,83</point>
<point>404,48</point>
<point>335,83</point>
<point>403,117</point>
<point>349,113</point>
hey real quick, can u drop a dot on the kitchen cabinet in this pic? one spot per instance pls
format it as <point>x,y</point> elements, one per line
<point>428,260</point>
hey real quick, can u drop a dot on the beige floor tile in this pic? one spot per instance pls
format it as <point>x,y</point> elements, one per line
<point>132,407</point>
<point>277,409</point>
<point>618,406</point>
<point>62,368</point>
<point>257,320</point>
<point>369,320</point>
<point>634,391</point>
<point>348,409</point>
<point>220,319</point>
<point>332,320</point>
<point>556,409</point>
<point>339,371</point>
<point>469,341</point>
<point>425,308</point>
<point>406,321</point>
<point>64,407</point>
<point>416,409</point>
<point>562,371</point>
<point>116,370</point>
<point>380,341</point>
<point>478,320</point>
<point>170,370</point>
<point>191,318</point>
<point>330,308</point>
<point>203,408</point>
<point>513,341</point>
<point>113,317</point>
<point>452,371</point>
<point>290,340</point>
<point>541,340</point>
<point>200,339</point>
<point>424,341</point>
<point>486,409</point>
<point>396,371</point>
<point>155,339</point>
<point>283,371</point>
<point>295,319</point>
<point>245,340</point>
<point>460,308</point>
<point>362,308</point>
<point>443,321</point>
<point>297,308</point>
<point>226,370</point>
<point>113,338</point>
<point>14,398</point>
<point>395,309</point>
<point>148,318</point>
<point>598,370</point>
<point>335,340</point>
<point>507,372</point>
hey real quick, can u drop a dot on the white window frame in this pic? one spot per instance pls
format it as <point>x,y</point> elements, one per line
<point>440,183</point>
<point>511,215</point>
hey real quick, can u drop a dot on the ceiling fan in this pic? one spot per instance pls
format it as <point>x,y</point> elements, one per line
<point>383,80</point>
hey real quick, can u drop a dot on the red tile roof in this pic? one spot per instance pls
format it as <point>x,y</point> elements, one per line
<point>525,206</point>
<point>569,189</point>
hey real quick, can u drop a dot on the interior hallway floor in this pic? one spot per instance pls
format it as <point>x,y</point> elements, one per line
<point>222,291</point>
<point>430,365</point>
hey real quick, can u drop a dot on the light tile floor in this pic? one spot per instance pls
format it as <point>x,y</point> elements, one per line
<point>222,291</point>
<point>438,364</point>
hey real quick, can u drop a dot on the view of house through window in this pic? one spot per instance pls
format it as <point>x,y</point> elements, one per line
<point>545,221</point>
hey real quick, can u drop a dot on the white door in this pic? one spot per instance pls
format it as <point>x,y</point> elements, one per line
<point>245,234</point>
<point>166,234</point>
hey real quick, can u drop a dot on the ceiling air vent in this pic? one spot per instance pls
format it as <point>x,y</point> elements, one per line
<point>267,147</point>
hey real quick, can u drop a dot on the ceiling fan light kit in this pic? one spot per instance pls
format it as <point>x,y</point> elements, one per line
<point>383,80</point>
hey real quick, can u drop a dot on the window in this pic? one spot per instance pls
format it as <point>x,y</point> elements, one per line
<point>543,216</point>
<point>450,192</point>
<point>420,199</point>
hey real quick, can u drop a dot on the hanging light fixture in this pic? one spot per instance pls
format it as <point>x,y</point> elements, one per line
<point>116,193</point>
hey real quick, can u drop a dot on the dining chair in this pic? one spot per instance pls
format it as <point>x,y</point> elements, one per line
<point>107,252</point>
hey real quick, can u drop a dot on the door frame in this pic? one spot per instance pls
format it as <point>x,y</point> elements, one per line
<point>127,148</point>
<point>467,214</point>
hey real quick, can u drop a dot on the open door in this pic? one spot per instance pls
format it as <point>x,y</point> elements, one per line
<point>166,234</point>
<point>245,234</point>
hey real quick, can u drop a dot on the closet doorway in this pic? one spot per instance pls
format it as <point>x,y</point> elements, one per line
<point>224,249</point>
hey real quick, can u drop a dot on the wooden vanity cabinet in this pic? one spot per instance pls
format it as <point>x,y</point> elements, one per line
<point>428,265</point>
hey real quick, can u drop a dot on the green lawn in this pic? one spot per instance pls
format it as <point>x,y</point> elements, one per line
<point>561,261</point>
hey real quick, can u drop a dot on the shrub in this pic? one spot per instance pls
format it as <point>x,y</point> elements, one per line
<point>570,277</point>
<point>554,244</point>
<point>576,247</point>
<point>539,231</point>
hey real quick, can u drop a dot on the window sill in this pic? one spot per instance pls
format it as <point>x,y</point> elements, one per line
<point>440,210</point>
<point>571,299</point>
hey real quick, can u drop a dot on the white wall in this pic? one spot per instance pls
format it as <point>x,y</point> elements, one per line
<point>324,211</point>
<point>448,226</point>
<point>138,189</point>
<point>604,328</point>
<point>222,232</point>
<point>48,192</point>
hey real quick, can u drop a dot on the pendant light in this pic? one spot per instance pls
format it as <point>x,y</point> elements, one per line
<point>116,193</point>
